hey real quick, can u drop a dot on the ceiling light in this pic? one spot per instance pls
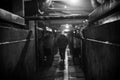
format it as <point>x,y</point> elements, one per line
<point>48,29</point>
<point>67,26</point>
<point>66,30</point>
<point>73,2</point>
<point>65,6</point>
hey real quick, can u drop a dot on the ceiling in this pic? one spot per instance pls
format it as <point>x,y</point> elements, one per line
<point>59,12</point>
<point>66,7</point>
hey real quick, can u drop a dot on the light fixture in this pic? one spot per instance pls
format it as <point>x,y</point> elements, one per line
<point>39,28</point>
<point>48,29</point>
<point>73,2</point>
<point>67,26</point>
<point>65,6</point>
<point>55,30</point>
<point>66,30</point>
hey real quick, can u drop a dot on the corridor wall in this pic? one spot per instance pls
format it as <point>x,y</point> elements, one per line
<point>101,43</point>
<point>17,47</point>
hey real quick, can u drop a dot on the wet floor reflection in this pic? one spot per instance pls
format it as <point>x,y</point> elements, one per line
<point>61,70</point>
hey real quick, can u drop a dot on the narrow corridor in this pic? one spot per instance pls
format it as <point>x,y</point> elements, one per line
<point>58,71</point>
<point>32,32</point>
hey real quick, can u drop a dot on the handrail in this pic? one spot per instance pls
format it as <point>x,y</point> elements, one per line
<point>13,42</point>
<point>103,42</point>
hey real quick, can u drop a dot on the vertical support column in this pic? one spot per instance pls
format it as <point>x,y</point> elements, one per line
<point>36,46</point>
<point>72,42</point>
<point>32,27</point>
<point>18,7</point>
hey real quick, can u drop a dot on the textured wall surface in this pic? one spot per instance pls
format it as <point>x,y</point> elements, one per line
<point>17,51</point>
<point>102,59</point>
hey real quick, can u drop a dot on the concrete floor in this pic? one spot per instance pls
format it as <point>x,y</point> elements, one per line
<point>58,71</point>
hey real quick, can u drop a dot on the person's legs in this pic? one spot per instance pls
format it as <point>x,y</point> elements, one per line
<point>76,56</point>
<point>48,55</point>
<point>62,55</point>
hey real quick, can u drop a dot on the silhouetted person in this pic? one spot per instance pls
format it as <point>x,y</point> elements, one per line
<point>47,45</point>
<point>62,42</point>
<point>76,50</point>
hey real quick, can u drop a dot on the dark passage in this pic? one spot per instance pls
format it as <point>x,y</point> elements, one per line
<point>59,39</point>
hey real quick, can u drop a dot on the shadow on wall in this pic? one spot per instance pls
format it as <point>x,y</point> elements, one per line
<point>19,72</point>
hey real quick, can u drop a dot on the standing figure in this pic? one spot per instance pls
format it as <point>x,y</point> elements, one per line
<point>62,42</point>
<point>47,49</point>
<point>76,50</point>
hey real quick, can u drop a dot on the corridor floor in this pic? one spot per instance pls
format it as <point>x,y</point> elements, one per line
<point>59,72</point>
